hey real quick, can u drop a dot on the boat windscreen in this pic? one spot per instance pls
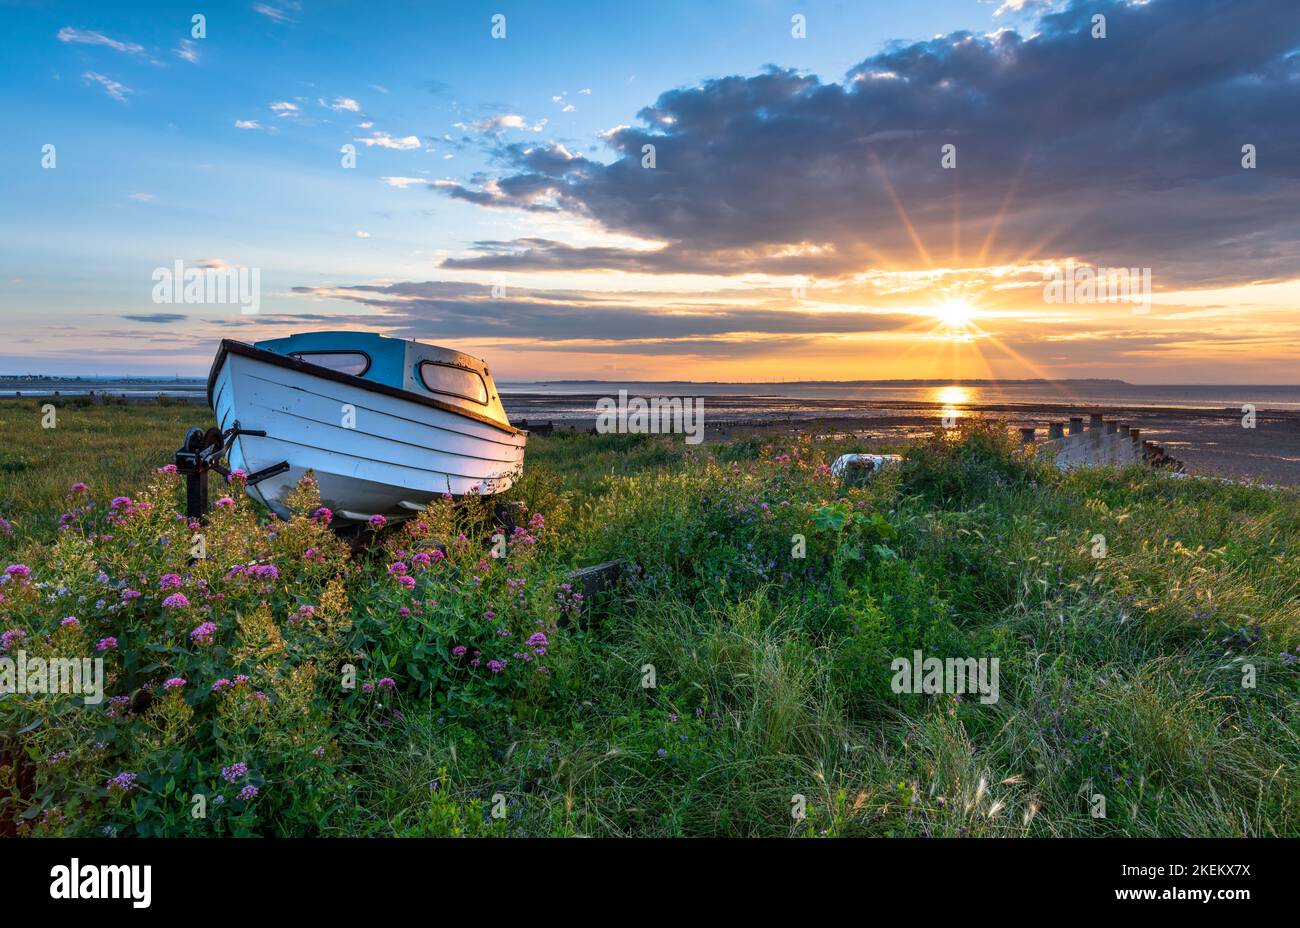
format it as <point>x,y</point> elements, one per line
<point>454,381</point>
<point>355,363</point>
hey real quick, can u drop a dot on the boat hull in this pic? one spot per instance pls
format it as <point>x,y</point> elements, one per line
<point>372,451</point>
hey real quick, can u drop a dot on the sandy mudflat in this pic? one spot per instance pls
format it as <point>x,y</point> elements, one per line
<point>1210,442</point>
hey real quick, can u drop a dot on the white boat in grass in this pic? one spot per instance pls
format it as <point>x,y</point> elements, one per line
<point>385,425</point>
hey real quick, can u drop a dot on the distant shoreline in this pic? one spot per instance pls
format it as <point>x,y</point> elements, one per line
<point>1210,440</point>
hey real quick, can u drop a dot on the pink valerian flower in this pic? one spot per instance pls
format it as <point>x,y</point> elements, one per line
<point>174,683</point>
<point>407,581</point>
<point>323,514</point>
<point>123,782</point>
<point>167,470</point>
<point>203,633</point>
<point>6,527</point>
<point>241,678</point>
<point>377,521</point>
<point>226,501</point>
<point>128,595</point>
<point>437,554</point>
<point>176,601</point>
<point>259,571</point>
<point>396,569</point>
<point>302,614</point>
<point>237,474</point>
<point>367,687</point>
<point>170,582</point>
<point>78,488</point>
<point>71,620</point>
<point>404,612</point>
<point>9,638</point>
<point>312,554</point>
<point>388,683</point>
<point>107,644</point>
<point>18,571</point>
<point>236,771</point>
<point>537,641</point>
<point>496,666</point>
<point>459,651</point>
<point>248,792</point>
<point>421,559</point>
<point>222,685</point>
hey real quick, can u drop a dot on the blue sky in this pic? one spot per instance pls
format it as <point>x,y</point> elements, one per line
<point>226,149</point>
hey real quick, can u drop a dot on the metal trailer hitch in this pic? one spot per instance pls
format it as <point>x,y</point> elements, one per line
<point>202,452</point>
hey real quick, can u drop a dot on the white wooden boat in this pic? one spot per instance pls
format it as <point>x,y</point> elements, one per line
<point>385,425</point>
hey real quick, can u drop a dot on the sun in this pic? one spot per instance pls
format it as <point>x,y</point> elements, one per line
<point>955,314</point>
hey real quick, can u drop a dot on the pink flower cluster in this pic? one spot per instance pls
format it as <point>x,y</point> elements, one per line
<point>203,633</point>
<point>256,571</point>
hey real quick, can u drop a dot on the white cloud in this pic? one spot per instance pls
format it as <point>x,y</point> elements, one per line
<point>401,183</point>
<point>285,108</point>
<point>140,197</point>
<point>365,125</point>
<point>585,90</point>
<point>86,37</point>
<point>380,88</point>
<point>496,124</point>
<point>188,51</point>
<point>273,13</point>
<point>342,104</point>
<point>1016,6</point>
<point>361,234</point>
<point>247,124</point>
<point>111,87</point>
<point>384,140</point>
<point>568,108</point>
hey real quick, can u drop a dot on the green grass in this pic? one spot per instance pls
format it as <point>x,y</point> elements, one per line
<point>1120,676</point>
<point>106,446</point>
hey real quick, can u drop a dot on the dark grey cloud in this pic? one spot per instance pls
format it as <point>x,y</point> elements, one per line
<point>159,318</point>
<point>447,310</point>
<point>1124,151</point>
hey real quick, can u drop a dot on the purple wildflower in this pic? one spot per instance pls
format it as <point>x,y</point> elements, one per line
<point>124,782</point>
<point>203,633</point>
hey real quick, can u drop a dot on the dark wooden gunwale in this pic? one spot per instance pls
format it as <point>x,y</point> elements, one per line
<point>230,346</point>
